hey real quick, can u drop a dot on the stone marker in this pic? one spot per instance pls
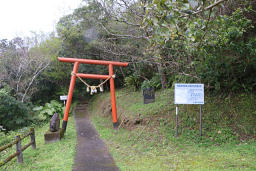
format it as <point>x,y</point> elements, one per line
<point>54,133</point>
<point>55,123</point>
<point>148,95</point>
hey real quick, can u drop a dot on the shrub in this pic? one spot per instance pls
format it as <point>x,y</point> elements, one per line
<point>229,56</point>
<point>13,113</point>
<point>155,83</point>
<point>47,111</point>
<point>133,81</point>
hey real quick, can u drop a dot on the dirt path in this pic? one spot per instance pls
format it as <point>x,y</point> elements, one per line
<point>91,152</point>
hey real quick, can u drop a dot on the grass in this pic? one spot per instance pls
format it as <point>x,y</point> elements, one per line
<point>54,156</point>
<point>153,146</point>
<point>228,141</point>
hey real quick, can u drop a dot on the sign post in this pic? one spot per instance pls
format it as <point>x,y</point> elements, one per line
<point>176,121</point>
<point>64,98</point>
<point>189,94</point>
<point>200,127</point>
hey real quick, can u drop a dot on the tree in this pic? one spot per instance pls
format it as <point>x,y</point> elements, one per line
<point>187,34</point>
<point>21,66</point>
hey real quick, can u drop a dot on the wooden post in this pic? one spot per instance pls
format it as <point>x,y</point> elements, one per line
<point>70,94</point>
<point>32,137</point>
<point>19,150</point>
<point>113,96</point>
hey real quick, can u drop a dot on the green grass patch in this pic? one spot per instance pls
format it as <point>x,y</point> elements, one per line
<point>54,156</point>
<point>142,149</point>
<point>153,146</point>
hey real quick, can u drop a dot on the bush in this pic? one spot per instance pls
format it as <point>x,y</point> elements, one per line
<point>133,81</point>
<point>47,111</point>
<point>13,114</point>
<point>229,56</point>
<point>155,83</point>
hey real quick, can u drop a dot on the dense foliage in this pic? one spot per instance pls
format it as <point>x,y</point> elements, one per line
<point>229,57</point>
<point>175,41</point>
<point>13,113</point>
<point>213,46</point>
<point>47,111</point>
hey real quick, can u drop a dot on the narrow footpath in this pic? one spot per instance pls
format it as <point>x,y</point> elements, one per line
<point>91,152</point>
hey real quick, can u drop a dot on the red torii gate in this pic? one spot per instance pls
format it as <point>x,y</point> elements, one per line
<point>76,62</point>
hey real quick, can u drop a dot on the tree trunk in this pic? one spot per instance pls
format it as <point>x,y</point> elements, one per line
<point>162,76</point>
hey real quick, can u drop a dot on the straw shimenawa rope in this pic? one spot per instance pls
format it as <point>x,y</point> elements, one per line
<point>93,88</point>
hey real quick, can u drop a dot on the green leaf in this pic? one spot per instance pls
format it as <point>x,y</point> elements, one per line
<point>37,108</point>
<point>193,38</point>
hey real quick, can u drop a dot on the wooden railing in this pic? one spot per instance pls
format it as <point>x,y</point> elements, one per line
<point>19,148</point>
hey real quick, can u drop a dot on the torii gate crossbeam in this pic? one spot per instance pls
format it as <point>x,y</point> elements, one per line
<point>76,62</point>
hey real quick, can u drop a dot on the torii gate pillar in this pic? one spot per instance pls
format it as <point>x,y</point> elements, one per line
<point>76,62</point>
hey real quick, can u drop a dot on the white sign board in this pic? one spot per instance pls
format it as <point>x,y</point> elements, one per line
<point>63,97</point>
<point>189,94</point>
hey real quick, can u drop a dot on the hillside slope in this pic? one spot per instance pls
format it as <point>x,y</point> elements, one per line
<point>146,137</point>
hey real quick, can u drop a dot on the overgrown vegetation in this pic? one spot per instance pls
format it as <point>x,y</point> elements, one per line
<point>228,59</point>
<point>146,138</point>
<point>13,113</point>
<point>176,41</point>
<point>47,111</point>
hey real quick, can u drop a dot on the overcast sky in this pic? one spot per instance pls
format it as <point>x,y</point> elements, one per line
<point>20,17</point>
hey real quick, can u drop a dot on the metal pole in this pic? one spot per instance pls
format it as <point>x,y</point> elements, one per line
<point>177,120</point>
<point>200,127</point>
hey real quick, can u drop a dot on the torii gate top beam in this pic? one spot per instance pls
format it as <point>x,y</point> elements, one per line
<point>91,61</point>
